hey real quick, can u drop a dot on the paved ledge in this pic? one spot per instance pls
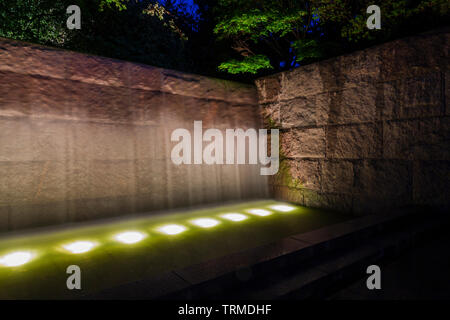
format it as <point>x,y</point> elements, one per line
<point>146,289</point>
<point>218,267</point>
<point>242,266</point>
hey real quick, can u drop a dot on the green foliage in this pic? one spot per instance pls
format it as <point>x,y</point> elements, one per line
<point>306,49</point>
<point>237,39</point>
<point>39,21</point>
<point>398,18</point>
<point>291,32</point>
<point>115,28</point>
<point>265,33</point>
<point>118,4</point>
<point>257,24</point>
<point>250,64</point>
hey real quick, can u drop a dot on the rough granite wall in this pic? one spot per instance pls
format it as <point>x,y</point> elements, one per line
<point>84,137</point>
<point>365,132</point>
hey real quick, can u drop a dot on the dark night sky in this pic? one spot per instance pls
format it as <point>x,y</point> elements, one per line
<point>191,7</point>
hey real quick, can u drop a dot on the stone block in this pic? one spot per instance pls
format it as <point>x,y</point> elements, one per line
<point>181,112</point>
<point>353,105</point>
<point>304,81</point>
<point>269,88</point>
<point>28,58</point>
<point>348,71</point>
<point>305,111</point>
<point>357,69</point>
<point>413,97</point>
<point>49,98</point>
<point>236,92</point>
<point>15,92</point>
<point>414,56</point>
<point>99,103</point>
<point>271,114</point>
<point>95,69</point>
<point>384,179</point>
<point>333,201</point>
<point>191,85</point>
<point>285,193</point>
<point>337,176</point>
<point>354,141</point>
<point>419,139</point>
<point>147,107</point>
<point>303,143</point>
<point>142,77</point>
<point>300,174</point>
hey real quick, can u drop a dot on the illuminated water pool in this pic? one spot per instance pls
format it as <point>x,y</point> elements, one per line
<point>34,265</point>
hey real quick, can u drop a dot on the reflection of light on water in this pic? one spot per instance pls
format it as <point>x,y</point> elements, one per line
<point>172,229</point>
<point>282,208</point>
<point>259,212</point>
<point>234,216</point>
<point>129,237</point>
<point>16,259</point>
<point>79,246</point>
<point>205,222</point>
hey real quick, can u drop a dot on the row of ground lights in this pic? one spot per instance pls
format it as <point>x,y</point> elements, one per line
<point>19,258</point>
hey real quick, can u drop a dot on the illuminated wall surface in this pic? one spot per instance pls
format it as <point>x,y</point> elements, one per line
<point>365,132</point>
<point>85,137</point>
<point>34,265</point>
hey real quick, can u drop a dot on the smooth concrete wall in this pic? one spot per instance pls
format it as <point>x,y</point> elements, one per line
<point>85,137</point>
<point>365,132</point>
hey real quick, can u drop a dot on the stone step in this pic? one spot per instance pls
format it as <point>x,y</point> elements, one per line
<point>333,256</point>
<point>303,265</point>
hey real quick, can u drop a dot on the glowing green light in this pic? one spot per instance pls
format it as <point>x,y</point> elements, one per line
<point>234,216</point>
<point>282,208</point>
<point>129,237</point>
<point>172,229</point>
<point>259,212</point>
<point>79,246</point>
<point>16,259</point>
<point>205,222</point>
